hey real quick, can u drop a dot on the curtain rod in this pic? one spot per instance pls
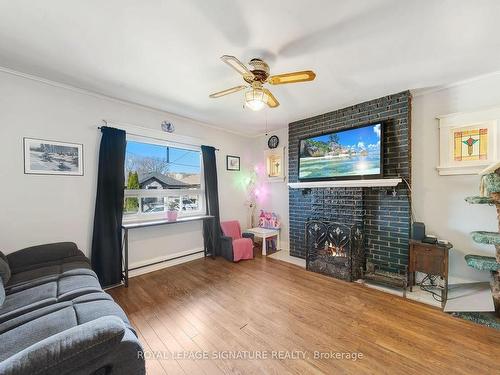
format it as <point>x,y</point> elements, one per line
<point>160,139</point>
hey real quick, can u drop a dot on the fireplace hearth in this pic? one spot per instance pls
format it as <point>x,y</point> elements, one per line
<point>334,249</point>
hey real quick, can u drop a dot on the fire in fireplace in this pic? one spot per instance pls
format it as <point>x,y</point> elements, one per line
<point>336,251</point>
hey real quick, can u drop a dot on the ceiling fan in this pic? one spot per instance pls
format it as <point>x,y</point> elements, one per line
<point>256,97</point>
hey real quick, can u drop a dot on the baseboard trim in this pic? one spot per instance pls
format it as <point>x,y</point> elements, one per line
<point>141,268</point>
<point>284,246</point>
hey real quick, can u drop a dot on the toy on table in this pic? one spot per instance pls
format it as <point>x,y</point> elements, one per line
<point>269,220</point>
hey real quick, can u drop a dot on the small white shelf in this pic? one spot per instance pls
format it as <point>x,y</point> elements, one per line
<point>346,183</point>
<point>461,169</point>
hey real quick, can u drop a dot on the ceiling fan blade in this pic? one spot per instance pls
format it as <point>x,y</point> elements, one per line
<point>227,91</point>
<point>237,65</point>
<point>272,102</point>
<point>302,76</point>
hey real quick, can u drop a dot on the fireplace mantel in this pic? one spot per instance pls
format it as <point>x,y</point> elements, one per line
<point>346,183</point>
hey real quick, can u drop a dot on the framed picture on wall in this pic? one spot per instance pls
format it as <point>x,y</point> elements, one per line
<point>52,157</point>
<point>232,163</point>
<point>469,141</point>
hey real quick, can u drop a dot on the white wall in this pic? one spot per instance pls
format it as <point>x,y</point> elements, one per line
<point>276,193</point>
<point>438,201</point>
<point>39,209</point>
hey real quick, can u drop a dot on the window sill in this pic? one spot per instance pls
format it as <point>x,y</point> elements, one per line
<point>130,224</point>
<point>154,216</point>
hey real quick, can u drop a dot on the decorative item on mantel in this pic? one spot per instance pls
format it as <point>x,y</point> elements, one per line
<point>468,142</point>
<point>490,194</point>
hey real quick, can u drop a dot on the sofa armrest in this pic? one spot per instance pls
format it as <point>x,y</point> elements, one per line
<point>226,244</point>
<point>68,350</point>
<point>248,235</point>
<point>33,255</point>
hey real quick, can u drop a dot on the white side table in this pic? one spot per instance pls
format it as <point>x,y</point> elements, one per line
<point>265,233</point>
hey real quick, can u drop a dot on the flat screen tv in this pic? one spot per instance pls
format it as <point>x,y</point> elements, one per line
<point>354,153</point>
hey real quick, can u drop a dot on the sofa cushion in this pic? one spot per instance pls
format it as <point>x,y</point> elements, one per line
<point>35,314</point>
<point>24,331</point>
<point>48,272</point>
<point>19,338</point>
<point>63,264</point>
<point>2,293</point>
<point>69,350</point>
<point>64,288</point>
<point>4,278</point>
<point>27,300</point>
<point>4,271</point>
<point>32,315</point>
<point>37,256</point>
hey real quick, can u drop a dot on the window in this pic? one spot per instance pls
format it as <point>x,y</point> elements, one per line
<point>159,178</point>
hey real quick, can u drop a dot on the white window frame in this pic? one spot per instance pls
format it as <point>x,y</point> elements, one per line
<point>165,193</point>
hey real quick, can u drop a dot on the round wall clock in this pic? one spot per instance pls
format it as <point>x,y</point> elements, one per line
<point>273,142</point>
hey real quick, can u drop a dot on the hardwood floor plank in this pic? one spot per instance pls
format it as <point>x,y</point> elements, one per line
<point>153,367</point>
<point>268,306</point>
<point>156,346</point>
<point>186,342</point>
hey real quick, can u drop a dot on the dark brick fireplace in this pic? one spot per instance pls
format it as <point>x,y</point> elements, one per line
<point>383,217</point>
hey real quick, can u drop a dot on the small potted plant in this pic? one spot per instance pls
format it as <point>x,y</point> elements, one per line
<point>173,209</point>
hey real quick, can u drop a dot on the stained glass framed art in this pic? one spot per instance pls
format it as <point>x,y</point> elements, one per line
<point>468,142</point>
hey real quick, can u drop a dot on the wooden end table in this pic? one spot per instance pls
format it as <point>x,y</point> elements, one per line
<point>432,260</point>
<point>265,233</point>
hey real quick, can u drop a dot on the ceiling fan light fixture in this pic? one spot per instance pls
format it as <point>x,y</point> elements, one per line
<point>257,96</point>
<point>256,99</point>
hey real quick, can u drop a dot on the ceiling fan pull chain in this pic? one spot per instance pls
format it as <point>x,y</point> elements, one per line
<point>266,122</point>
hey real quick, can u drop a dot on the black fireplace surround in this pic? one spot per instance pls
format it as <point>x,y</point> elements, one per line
<point>382,214</point>
<point>334,249</point>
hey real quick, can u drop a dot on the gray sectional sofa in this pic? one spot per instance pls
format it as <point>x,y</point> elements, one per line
<point>56,319</point>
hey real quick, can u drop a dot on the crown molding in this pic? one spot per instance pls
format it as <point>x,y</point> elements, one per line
<point>269,132</point>
<point>99,95</point>
<point>430,90</point>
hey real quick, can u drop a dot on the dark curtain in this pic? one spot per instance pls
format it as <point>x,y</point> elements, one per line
<point>211,228</point>
<point>107,238</point>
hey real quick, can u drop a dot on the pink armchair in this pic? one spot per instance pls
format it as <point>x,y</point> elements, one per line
<point>234,245</point>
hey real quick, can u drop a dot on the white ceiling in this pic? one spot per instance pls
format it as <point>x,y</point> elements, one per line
<point>165,54</point>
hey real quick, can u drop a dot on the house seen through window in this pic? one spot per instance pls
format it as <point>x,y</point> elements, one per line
<point>160,178</point>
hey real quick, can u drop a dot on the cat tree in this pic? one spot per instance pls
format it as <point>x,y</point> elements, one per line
<point>490,194</point>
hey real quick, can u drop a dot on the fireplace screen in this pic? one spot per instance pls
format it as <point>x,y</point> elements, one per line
<point>334,249</point>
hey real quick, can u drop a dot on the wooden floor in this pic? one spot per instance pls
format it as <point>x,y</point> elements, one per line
<point>266,307</point>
